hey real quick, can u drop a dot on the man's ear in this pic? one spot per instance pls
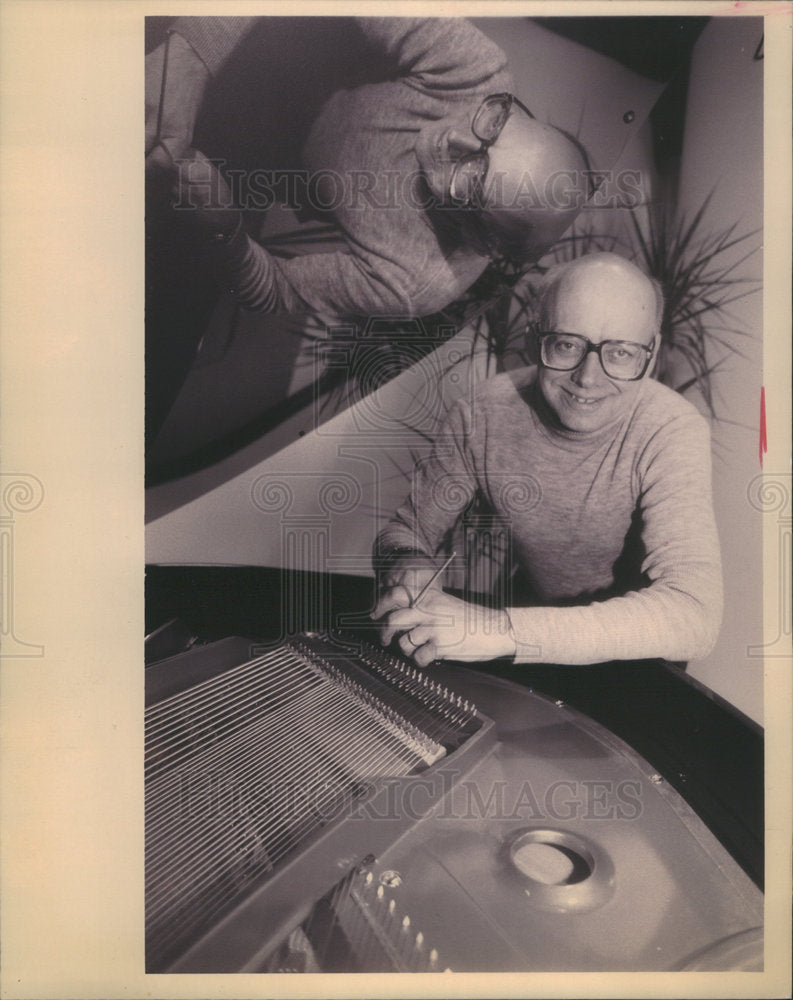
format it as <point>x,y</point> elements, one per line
<point>532,344</point>
<point>656,345</point>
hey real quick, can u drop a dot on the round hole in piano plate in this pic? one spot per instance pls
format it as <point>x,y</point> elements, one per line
<point>551,864</point>
<point>560,870</point>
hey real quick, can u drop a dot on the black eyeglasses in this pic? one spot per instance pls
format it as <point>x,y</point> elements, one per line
<point>467,181</point>
<point>623,360</point>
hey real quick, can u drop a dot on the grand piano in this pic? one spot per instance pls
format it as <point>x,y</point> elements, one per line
<point>315,803</point>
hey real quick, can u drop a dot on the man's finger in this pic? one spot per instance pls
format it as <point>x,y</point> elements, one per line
<point>409,642</point>
<point>396,597</point>
<point>401,620</point>
<point>426,655</point>
<point>420,634</point>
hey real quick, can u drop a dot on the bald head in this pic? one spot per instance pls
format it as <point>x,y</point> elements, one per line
<point>537,183</point>
<point>614,292</point>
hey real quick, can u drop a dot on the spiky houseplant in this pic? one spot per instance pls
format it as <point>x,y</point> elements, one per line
<point>697,270</point>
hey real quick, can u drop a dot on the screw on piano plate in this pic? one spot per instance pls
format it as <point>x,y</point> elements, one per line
<point>656,779</point>
<point>559,703</point>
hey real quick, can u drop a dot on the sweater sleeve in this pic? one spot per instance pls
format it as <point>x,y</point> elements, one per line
<point>337,282</point>
<point>678,614</point>
<point>213,39</point>
<point>441,54</point>
<point>443,485</point>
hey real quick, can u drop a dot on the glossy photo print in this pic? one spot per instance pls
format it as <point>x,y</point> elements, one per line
<point>454,338</point>
<point>396,500</point>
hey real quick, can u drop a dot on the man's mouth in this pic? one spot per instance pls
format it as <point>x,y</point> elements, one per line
<point>584,400</point>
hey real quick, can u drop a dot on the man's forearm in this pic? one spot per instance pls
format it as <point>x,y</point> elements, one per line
<point>655,622</point>
<point>247,270</point>
<point>439,53</point>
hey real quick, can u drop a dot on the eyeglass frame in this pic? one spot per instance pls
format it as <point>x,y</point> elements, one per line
<point>592,348</point>
<point>510,100</point>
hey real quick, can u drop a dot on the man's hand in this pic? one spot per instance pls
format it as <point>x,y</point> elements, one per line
<point>172,109</point>
<point>442,627</point>
<point>413,573</point>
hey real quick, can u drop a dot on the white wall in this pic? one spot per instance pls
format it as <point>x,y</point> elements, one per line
<point>722,152</point>
<point>317,503</point>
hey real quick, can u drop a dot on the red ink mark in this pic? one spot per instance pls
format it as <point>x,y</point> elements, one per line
<point>763,434</point>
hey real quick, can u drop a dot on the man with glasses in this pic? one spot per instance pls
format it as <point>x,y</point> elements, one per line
<point>600,476</point>
<point>429,172</point>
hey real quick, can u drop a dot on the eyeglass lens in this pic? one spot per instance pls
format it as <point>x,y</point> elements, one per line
<point>469,172</point>
<point>468,177</point>
<point>620,359</point>
<point>490,119</point>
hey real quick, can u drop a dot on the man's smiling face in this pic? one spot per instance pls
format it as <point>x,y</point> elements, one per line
<point>600,297</point>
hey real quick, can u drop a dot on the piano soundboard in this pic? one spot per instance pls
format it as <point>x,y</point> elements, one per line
<point>323,805</point>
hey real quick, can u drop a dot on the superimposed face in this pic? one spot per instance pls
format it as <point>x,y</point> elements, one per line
<point>525,180</point>
<point>440,145</point>
<point>600,298</point>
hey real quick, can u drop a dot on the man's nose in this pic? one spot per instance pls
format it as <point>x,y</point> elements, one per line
<point>463,141</point>
<point>588,372</point>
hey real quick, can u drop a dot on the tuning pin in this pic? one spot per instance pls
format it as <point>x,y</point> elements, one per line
<point>417,953</point>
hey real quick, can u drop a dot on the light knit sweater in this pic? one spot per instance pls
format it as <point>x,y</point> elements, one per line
<point>395,258</point>
<point>614,529</point>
